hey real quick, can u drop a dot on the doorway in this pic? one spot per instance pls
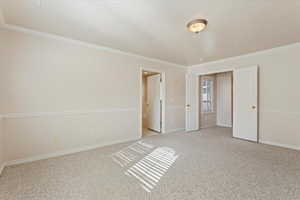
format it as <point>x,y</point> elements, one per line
<point>244,102</point>
<point>216,100</point>
<point>152,98</point>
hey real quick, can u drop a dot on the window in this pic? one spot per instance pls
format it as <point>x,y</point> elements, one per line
<point>207,96</point>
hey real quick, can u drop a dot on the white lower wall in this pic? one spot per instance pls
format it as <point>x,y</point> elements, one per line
<point>42,79</point>
<point>279,97</point>
<point>2,160</point>
<point>43,135</point>
<point>175,119</point>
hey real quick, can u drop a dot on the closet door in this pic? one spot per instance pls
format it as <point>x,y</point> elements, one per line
<point>245,103</point>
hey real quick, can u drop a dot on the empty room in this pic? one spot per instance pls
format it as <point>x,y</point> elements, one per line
<point>154,100</point>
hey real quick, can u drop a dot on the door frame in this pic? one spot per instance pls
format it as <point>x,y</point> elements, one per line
<point>233,70</point>
<point>198,94</point>
<point>163,98</point>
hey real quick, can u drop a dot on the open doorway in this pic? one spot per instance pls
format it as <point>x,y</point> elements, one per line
<point>152,103</point>
<point>216,100</point>
<point>208,106</point>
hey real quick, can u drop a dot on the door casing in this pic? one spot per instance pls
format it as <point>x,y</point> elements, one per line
<point>233,70</point>
<point>154,102</point>
<point>163,99</point>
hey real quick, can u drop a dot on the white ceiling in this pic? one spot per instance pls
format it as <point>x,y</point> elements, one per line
<point>157,28</point>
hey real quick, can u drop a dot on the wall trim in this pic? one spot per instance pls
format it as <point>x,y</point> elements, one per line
<point>242,56</point>
<point>209,72</point>
<point>63,113</point>
<point>293,147</point>
<point>280,112</point>
<point>65,152</point>
<point>85,44</point>
<point>92,147</point>
<point>174,130</point>
<point>224,125</point>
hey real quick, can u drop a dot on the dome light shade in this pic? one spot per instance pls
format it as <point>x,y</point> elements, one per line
<point>197,25</point>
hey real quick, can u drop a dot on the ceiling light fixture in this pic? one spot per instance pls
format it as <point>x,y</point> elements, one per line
<point>197,25</point>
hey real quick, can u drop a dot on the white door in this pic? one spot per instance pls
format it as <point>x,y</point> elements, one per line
<point>154,102</point>
<point>192,102</point>
<point>245,103</point>
<point>224,99</point>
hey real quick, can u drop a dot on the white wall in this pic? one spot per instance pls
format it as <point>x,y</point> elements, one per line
<point>1,15</point>
<point>58,96</point>
<point>1,145</point>
<point>224,99</point>
<point>279,96</point>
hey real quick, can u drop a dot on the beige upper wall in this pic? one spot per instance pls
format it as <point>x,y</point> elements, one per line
<point>279,97</point>
<point>2,21</point>
<point>1,132</point>
<point>40,74</point>
<point>2,159</point>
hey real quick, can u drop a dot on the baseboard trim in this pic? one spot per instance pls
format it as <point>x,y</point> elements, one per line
<point>224,125</point>
<point>280,145</point>
<point>65,152</point>
<point>212,126</point>
<point>175,130</point>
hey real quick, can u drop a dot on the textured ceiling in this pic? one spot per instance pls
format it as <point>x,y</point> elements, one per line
<point>157,28</point>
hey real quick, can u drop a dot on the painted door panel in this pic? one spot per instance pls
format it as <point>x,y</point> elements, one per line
<point>245,103</point>
<point>192,102</point>
<point>154,102</point>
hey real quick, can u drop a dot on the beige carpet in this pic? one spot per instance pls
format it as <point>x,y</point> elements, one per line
<point>208,165</point>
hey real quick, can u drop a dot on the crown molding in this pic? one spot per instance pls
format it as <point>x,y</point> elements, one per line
<point>243,56</point>
<point>85,44</point>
